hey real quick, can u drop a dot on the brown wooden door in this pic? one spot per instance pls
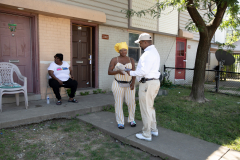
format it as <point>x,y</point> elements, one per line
<point>15,46</point>
<point>180,58</point>
<point>81,48</point>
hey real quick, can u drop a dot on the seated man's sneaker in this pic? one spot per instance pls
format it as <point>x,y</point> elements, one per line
<point>154,133</point>
<point>140,136</point>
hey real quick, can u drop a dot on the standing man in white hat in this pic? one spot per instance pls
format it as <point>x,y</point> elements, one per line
<point>147,73</point>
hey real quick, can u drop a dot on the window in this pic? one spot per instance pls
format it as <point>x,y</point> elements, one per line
<point>134,51</point>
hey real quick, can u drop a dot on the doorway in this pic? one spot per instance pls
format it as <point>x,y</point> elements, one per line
<point>180,61</point>
<point>16,45</point>
<point>82,55</point>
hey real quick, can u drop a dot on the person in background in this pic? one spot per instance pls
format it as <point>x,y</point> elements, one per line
<point>147,74</point>
<point>59,71</point>
<point>123,84</point>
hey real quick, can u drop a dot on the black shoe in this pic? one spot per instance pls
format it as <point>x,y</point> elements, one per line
<point>133,124</point>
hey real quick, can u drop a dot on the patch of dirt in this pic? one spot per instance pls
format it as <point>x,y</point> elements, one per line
<point>64,139</point>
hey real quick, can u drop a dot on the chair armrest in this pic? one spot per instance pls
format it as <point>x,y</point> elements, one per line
<point>23,78</point>
<point>25,81</point>
<point>20,76</point>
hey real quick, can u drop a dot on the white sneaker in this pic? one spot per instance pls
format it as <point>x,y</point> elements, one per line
<point>154,133</point>
<point>140,136</point>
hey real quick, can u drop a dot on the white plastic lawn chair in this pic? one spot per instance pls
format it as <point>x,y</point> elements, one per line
<point>6,76</point>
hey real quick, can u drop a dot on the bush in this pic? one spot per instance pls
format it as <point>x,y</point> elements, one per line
<point>104,92</point>
<point>84,93</point>
<point>99,90</point>
<point>69,91</point>
<point>95,92</point>
<point>167,83</point>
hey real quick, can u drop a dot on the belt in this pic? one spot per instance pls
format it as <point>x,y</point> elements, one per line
<point>143,80</point>
<point>123,81</point>
<point>149,79</point>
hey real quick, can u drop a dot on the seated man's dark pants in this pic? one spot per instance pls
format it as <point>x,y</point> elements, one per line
<point>66,84</point>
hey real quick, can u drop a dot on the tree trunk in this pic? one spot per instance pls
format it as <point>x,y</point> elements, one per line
<point>197,93</point>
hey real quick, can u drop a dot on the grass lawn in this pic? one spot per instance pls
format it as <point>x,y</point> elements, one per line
<point>217,121</point>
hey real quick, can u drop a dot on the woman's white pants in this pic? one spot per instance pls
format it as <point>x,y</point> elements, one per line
<point>119,94</point>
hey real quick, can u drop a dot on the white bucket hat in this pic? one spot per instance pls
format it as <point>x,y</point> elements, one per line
<point>143,36</point>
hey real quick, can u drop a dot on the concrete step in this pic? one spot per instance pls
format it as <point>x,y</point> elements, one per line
<point>84,90</point>
<point>10,98</point>
<point>39,110</point>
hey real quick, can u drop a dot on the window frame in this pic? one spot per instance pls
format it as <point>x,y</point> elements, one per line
<point>140,52</point>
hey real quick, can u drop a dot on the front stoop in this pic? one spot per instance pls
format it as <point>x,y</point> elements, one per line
<point>39,111</point>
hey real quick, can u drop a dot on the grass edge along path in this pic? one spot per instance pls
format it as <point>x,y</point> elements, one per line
<point>216,121</point>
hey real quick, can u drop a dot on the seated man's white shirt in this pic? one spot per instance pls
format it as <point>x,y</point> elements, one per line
<point>148,64</point>
<point>60,71</point>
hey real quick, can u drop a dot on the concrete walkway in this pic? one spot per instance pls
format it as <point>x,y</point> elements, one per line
<point>168,144</point>
<point>39,111</point>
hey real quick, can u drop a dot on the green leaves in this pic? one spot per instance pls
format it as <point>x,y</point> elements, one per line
<point>206,8</point>
<point>229,47</point>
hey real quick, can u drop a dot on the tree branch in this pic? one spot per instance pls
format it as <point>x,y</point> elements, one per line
<point>219,15</point>
<point>221,8</point>
<point>210,9</point>
<point>196,17</point>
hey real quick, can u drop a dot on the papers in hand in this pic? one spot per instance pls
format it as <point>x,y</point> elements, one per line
<point>121,67</point>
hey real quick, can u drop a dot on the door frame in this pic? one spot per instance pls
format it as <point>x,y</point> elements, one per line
<point>95,27</point>
<point>185,52</point>
<point>34,44</point>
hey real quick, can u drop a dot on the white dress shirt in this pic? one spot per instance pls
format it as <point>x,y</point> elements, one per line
<point>148,64</point>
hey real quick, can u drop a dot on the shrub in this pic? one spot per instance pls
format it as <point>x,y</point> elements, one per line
<point>95,91</point>
<point>167,83</point>
<point>99,90</point>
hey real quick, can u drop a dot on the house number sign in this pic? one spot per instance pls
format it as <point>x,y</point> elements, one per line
<point>105,36</point>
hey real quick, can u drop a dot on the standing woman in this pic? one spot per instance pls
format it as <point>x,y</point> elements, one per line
<point>123,84</point>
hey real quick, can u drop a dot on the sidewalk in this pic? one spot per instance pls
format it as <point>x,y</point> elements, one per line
<point>169,144</point>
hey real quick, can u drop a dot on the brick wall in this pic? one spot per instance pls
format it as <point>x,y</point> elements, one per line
<point>107,52</point>
<point>54,37</point>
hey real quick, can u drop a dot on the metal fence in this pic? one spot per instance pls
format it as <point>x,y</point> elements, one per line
<point>229,82</point>
<point>235,67</point>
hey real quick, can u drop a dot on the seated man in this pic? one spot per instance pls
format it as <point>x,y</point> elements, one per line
<point>59,77</point>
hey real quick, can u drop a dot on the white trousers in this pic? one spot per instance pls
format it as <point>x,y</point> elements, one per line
<point>147,93</point>
<point>119,93</point>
